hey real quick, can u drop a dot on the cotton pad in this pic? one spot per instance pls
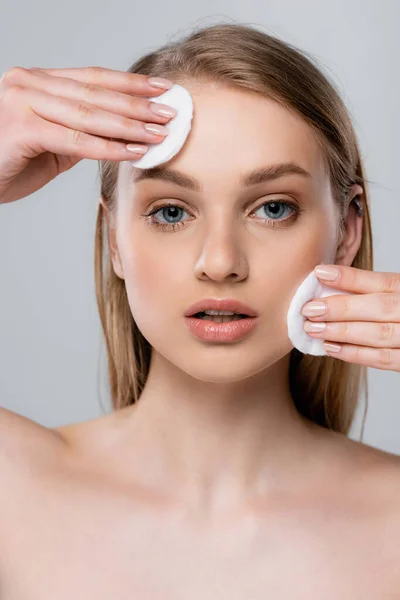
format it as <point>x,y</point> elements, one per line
<point>310,288</point>
<point>178,128</point>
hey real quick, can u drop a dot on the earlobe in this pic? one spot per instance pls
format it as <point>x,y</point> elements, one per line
<point>117,267</point>
<point>114,254</point>
<point>112,241</point>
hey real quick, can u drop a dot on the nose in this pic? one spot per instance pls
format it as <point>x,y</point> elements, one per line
<point>222,255</point>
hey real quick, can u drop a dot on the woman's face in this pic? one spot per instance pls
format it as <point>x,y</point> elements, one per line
<point>223,241</point>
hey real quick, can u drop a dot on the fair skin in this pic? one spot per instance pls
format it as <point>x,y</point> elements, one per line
<point>212,486</point>
<point>221,415</point>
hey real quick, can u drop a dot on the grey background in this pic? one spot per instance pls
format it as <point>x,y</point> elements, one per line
<point>52,359</point>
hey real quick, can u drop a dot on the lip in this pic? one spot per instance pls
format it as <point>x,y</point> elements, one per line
<point>212,331</point>
<point>220,304</point>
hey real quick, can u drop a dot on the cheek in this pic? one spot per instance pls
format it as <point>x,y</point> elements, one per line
<point>291,261</point>
<point>152,279</point>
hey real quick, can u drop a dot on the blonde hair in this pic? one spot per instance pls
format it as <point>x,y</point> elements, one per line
<point>324,389</point>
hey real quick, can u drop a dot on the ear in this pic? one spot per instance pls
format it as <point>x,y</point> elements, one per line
<point>112,239</point>
<point>352,236</point>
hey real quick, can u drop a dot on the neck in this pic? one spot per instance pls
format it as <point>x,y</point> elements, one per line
<point>216,444</point>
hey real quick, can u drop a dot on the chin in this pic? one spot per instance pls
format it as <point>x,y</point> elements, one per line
<point>223,363</point>
<point>223,372</point>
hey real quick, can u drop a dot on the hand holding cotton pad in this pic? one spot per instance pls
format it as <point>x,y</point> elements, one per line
<point>310,288</point>
<point>178,128</point>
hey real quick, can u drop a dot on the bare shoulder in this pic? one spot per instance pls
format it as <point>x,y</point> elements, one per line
<point>382,509</point>
<point>367,464</point>
<point>371,482</point>
<point>24,444</point>
<point>376,462</point>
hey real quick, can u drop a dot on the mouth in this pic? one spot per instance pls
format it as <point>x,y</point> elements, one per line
<point>221,320</point>
<point>219,326</point>
<point>219,316</point>
<point>231,308</point>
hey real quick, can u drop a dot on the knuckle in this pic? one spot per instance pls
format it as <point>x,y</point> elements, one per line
<point>34,70</point>
<point>84,110</point>
<point>345,329</point>
<point>108,145</point>
<point>104,145</point>
<point>345,306</point>
<point>11,92</point>
<point>134,103</point>
<point>77,137</point>
<point>89,89</point>
<point>126,123</point>
<point>390,282</point>
<point>385,356</point>
<point>342,328</point>
<point>386,331</point>
<point>390,303</point>
<point>13,74</point>
<point>93,74</point>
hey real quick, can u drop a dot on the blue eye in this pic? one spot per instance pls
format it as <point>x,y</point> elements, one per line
<point>271,217</point>
<point>170,212</point>
<point>274,208</point>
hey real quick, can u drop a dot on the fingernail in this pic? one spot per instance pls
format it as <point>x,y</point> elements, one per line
<point>162,109</point>
<point>314,309</point>
<point>316,327</point>
<point>328,273</point>
<point>332,347</point>
<point>137,149</point>
<point>160,82</point>
<point>157,129</point>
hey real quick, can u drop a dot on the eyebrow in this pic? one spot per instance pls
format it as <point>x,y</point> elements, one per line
<point>259,175</point>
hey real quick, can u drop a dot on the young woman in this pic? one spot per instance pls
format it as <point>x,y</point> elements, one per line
<point>225,470</point>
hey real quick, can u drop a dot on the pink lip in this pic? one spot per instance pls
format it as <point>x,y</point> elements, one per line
<point>211,331</point>
<point>220,304</point>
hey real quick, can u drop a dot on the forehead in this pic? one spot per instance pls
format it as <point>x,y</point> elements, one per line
<point>235,131</point>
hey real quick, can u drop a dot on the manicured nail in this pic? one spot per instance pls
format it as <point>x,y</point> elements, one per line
<point>313,309</point>
<point>316,327</point>
<point>332,347</point>
<point>157,129</point>
<point>162,109</point>
<point>327,272</point>
<point>136,149</point>
<point>160,82</point>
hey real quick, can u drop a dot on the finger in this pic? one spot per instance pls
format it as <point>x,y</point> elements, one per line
<point>106,99</point>
<point>358,307</point>
<point>386,359</point>
<point>84,117</point>
<point>379,335</point>
<point>121,81</point>
<point>361,281</point>
<point>62,140</point>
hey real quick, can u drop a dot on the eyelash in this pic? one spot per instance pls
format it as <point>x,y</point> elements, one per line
<point>270,223</point>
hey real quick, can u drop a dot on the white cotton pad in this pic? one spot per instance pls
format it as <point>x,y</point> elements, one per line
<point>310,288</point>
<point>178,128</point>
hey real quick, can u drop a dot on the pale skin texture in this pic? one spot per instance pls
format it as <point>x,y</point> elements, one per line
<point>213,486</point>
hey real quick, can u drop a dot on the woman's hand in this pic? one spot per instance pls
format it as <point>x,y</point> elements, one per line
<point>50,119</point>
<point>367,321</point>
